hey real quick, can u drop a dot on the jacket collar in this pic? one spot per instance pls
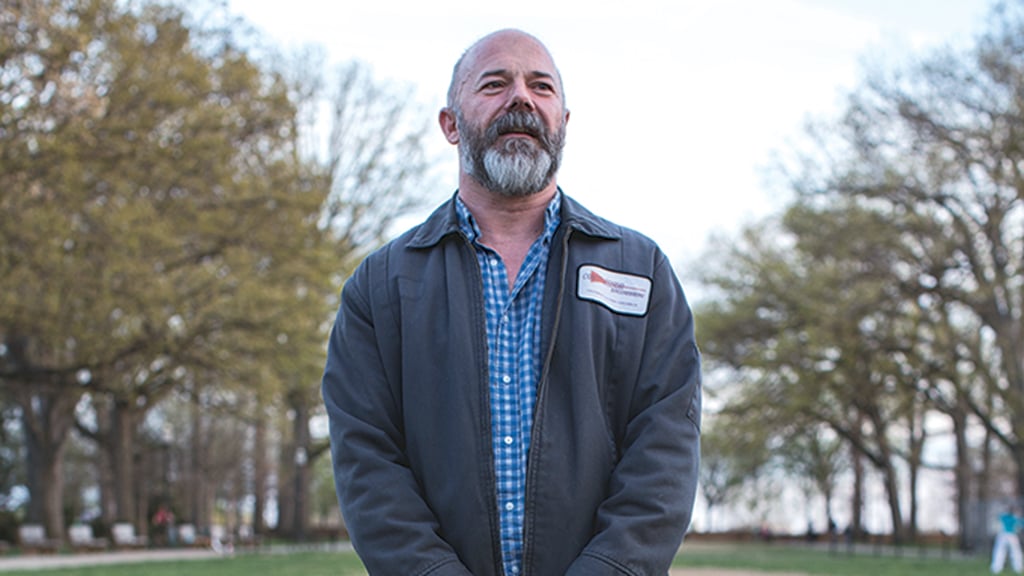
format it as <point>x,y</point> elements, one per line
<point>444,221</point>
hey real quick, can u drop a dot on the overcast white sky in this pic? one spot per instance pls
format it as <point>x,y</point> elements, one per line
<point>677,105</point>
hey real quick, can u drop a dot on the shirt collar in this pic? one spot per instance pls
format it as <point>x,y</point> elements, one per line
<point>468,225</point>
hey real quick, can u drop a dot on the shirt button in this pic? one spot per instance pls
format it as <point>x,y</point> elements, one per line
<point>494,262</point>
<point>515,569</point>
<point>510,506</point>
<point>508,440</point>
<point>506,379</point>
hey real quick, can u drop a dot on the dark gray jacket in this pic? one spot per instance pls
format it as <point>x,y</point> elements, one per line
<point>612,468</point>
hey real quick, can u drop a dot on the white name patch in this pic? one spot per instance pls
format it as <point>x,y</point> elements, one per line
<point>622,293</point>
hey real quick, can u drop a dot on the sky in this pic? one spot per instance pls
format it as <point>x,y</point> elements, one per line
<point>678,107</point>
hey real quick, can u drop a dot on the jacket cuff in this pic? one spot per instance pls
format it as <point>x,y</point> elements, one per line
<point>590,565</point>
<point>448,568</point>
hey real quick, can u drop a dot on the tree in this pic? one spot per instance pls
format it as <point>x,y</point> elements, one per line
<point>375,158</point>
<point>157,203</point>
<point>942,142</point>
<point>891,288</point>
<point>730,461</point>
<point>818,456</point>
<point>11,460</point>
<point>939,144</point>
<point>814,322</point>
<point>169,238</point>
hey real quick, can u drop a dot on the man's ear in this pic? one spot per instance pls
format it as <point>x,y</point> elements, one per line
<point>448,125</point>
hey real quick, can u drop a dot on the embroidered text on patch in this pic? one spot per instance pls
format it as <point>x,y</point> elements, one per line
<point>622,293</point>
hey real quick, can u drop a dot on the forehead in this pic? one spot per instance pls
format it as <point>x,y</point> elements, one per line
<point>510,53</point>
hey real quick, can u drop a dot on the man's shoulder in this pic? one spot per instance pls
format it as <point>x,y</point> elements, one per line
<point>590,223</point>
<point>430,231</point>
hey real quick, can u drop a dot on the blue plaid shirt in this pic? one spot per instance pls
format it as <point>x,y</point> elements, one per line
<point>514,361</point>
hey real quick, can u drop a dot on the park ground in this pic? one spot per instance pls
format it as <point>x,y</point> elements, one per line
<point>30,562</point>
<point>717,572</point>
<point>130,557</point>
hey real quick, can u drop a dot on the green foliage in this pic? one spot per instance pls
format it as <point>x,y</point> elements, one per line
<point>161,227</point>
<point>890,288</point>
<point>169,241</point>
<point>160,214</point>
<point>733,455</point>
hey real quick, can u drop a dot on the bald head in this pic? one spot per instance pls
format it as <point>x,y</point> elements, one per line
<point>507,115</point>
<point>509,38</point>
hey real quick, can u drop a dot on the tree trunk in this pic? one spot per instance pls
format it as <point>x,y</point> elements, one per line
<point>47,417</point>
<point>985,486</point>
<point>830,523</point>
<point>917,440</point>
<point>198,484</point>
<point>259,467</point>
<point>122,454</point>
<point>963,478</point>
<point>1018,460</point>
<point>142,488</point>
<point>105,462</point>
<point>1010,334</point>
<point>915,474</point>
<point>293,475</point>
<point>51,489</point>
<point>892,491</point>
<point>285,495</point>
<point>300,519</point>
<point>890,476</point>
<point>857,504</point>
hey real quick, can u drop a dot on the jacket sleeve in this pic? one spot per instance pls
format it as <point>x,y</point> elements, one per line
<point>392,528</point>
<point>641,523</point>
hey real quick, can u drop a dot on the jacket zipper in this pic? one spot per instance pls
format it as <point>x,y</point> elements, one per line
<point>485,409</point>
<point>539,407</point>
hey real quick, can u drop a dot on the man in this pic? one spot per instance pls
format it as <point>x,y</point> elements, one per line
<point>513,386</point>
<point>1007,541</point>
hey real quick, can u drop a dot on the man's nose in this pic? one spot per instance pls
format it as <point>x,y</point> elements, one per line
<point>521,96</point>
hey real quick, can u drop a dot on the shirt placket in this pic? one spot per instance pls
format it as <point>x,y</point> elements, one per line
<point>506,439</point>
<point>510,328</point>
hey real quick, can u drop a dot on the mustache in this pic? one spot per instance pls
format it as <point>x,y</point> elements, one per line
<point>516,121</point>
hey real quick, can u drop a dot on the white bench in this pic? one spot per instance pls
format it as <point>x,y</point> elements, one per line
<point>32,538</point>
<point>81,538</point>
<point>125,537</point>
<point>187,534</point>
<point>220,540</point>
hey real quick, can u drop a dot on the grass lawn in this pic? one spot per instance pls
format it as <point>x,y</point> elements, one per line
<point>298,564</point>
<point>765,558</point>
<point>805,560</point>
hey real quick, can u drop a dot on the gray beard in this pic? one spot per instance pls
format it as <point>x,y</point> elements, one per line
<point>515,168</point>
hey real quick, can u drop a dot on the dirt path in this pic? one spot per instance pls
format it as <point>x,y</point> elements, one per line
<point>61,561</point>
<point>717,572</point>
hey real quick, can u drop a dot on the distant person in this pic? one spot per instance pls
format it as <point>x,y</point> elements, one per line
<point>1007,541</point>
<point>513,386</point>
<point>164,520</point>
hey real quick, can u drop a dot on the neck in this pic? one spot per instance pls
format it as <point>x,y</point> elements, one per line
<point>507,225</point>
<point>504,219</point>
